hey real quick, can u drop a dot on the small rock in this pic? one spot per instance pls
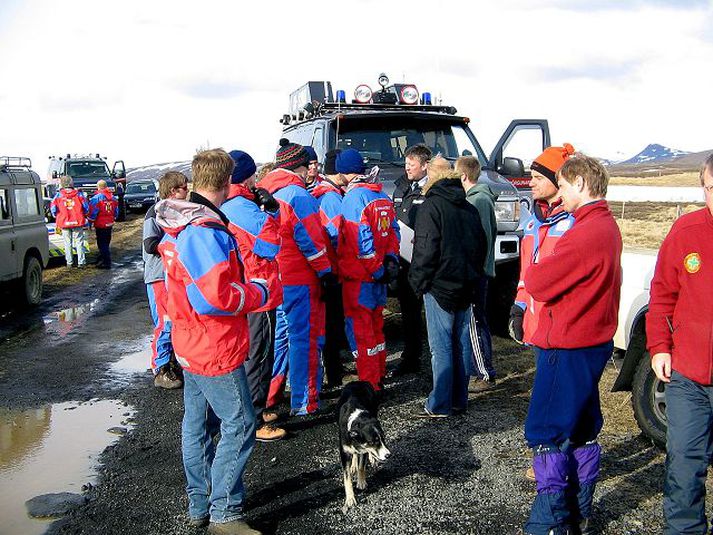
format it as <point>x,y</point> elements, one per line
<point>117,430</point>
<point>54,505</point>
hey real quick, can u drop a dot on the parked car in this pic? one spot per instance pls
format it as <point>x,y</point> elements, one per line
<point>24,249</point>
<point>140,195</point>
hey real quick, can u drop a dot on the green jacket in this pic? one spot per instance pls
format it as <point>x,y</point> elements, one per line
<point>483,198</point>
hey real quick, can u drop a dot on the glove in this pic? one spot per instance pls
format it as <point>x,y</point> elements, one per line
<point>265,199</point>
<point>515,324</point>
<point>390,270</point>
<point>328,281</point>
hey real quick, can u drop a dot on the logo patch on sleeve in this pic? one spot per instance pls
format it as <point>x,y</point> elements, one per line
<point>692,263</point>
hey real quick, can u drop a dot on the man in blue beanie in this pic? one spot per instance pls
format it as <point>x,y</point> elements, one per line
<point>368,253</point>
<point>313,176</point>
<point>254,221</point>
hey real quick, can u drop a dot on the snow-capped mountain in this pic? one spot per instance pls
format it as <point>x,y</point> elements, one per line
<point>155,171</point>
<point>655,153</point>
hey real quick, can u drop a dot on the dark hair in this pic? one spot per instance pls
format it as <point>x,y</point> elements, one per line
<point>420,151</point>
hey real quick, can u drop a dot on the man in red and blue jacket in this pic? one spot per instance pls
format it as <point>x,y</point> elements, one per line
<point>69,207</point>
<point>208,299</point>
<point>679,337</point>
<point>579,287</point>
<point>368,257</point>
<point>103,211</point>
<point>254,221</point>
<point>546,225</point>
<point>329,193</point>
<point>304,269</point>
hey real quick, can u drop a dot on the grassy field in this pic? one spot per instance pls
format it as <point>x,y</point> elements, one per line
<point>678,179</point>
<point>645,224</point>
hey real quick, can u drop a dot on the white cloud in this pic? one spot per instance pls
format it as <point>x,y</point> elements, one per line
<point>150,82</point>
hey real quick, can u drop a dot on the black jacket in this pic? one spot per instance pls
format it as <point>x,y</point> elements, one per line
<point>406,200</point>
<point>449,246</point>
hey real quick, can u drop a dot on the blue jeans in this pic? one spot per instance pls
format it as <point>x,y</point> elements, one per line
<point>689,446</point>
<point>449,340</point>
<point>215,474</point>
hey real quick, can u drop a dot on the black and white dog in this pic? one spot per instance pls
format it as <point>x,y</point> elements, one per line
<point>360,436</point>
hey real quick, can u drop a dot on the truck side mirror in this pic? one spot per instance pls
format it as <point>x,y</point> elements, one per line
<point>511,167</point>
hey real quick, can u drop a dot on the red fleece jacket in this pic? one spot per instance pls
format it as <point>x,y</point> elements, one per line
<point>682,298</point>
<point>579,284</point>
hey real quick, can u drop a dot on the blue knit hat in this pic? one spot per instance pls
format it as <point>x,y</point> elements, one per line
<point>311,154</point>
<point>350,161</point>
<point>244,166</point>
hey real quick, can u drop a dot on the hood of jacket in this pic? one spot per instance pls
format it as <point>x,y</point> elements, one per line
<point>174,215</point>
<point>358,183</point>
<point>106,192</point>
<point>239,190</point>
<point>325,186</point>
<point>280,178</point>
<point>446,185</point>
<point>70,193</point>
<point>482,189</point>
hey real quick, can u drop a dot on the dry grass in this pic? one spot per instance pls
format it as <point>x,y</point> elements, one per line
<point>645,224</point>
<point>678,179</point>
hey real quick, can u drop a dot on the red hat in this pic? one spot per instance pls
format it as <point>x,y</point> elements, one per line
<point>550,161</point>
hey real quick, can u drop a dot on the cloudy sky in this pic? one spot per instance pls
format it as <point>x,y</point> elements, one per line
<point>151,81</point>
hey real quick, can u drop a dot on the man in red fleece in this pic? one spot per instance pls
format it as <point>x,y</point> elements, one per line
<point>679,334</point>
<point>578,286</point>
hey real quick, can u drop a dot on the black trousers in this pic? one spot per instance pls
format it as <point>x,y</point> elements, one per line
<point>335,336</point>
<point>261,355</point>
<point>103,241</point>
<point>411,318</point>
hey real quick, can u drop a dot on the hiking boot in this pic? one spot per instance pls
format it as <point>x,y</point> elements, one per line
<point>476,385</point>
<point>269,416</point>
<point>236,527</point>
<point>199,522</point>
<point>269,433</point>
<point>166,378</point>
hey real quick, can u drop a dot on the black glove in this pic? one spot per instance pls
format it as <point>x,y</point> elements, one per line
<point>390,269</point>
<point>328,281</point>
<point>265,199</point>
<point>515,324</point>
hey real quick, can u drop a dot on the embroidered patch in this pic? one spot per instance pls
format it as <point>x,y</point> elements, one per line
<point>692,263</point>
<point>563,225</point>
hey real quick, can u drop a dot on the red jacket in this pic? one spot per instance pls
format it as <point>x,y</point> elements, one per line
<point>303,252</point>
<point>257,235</point>
<point>329,196</point>
<point>541,233</point>
<point>208,298</point>
<point>370,231</point>
<point>70,208</point>
<point>579,283</point>
<point>682,298</point>
<point>103,209</point>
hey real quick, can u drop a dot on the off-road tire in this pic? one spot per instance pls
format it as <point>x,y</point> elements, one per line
<point>648,401</point>
<point>30,285</point>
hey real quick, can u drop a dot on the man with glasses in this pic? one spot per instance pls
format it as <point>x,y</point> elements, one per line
<point>679,335</point>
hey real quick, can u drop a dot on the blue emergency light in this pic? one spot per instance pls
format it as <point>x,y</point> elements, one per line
<point>341,96</point>
<point>426,98</point>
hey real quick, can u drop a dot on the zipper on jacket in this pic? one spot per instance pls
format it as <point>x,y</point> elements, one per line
<point>549,327</point>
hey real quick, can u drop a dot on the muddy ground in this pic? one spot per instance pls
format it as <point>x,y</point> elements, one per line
<point>458,475</point>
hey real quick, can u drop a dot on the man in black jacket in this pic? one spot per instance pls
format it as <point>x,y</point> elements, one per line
<point>407,199</point>
<point>447,264</point>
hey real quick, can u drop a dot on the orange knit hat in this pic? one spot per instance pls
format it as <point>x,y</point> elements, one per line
<point>550,161</point>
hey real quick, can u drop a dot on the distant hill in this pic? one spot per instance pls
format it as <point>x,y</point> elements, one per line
<point>659,160</point>
<point>155,171</point>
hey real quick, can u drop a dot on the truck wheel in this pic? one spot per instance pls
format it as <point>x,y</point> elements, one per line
<point>649,402</point>
<point>501,296</point>
<point>31,282</point>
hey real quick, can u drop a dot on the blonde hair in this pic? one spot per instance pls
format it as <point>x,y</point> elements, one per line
<point>468,166</point>
<point>66,182</point>
<point>212,169</point>
<point>265,169</point>
<point>101,184</point>
<point>593,173</point>
<point>169,181</point>
<point>438,169</point>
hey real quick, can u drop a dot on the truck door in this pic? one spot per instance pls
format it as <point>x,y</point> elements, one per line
<point>8,239</point>
<point>522,141</point>
<point>118,173</point>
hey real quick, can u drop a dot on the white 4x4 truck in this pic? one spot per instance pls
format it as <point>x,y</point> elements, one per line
<point>636,375</point>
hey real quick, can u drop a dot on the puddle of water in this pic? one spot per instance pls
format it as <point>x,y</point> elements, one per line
<point>135,361</point>
<point>62,322</point>
<point>51,449</point>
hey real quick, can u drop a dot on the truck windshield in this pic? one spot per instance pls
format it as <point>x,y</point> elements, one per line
<point>87,170</point>
<point>141,187</point>
<point>382,139</point>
